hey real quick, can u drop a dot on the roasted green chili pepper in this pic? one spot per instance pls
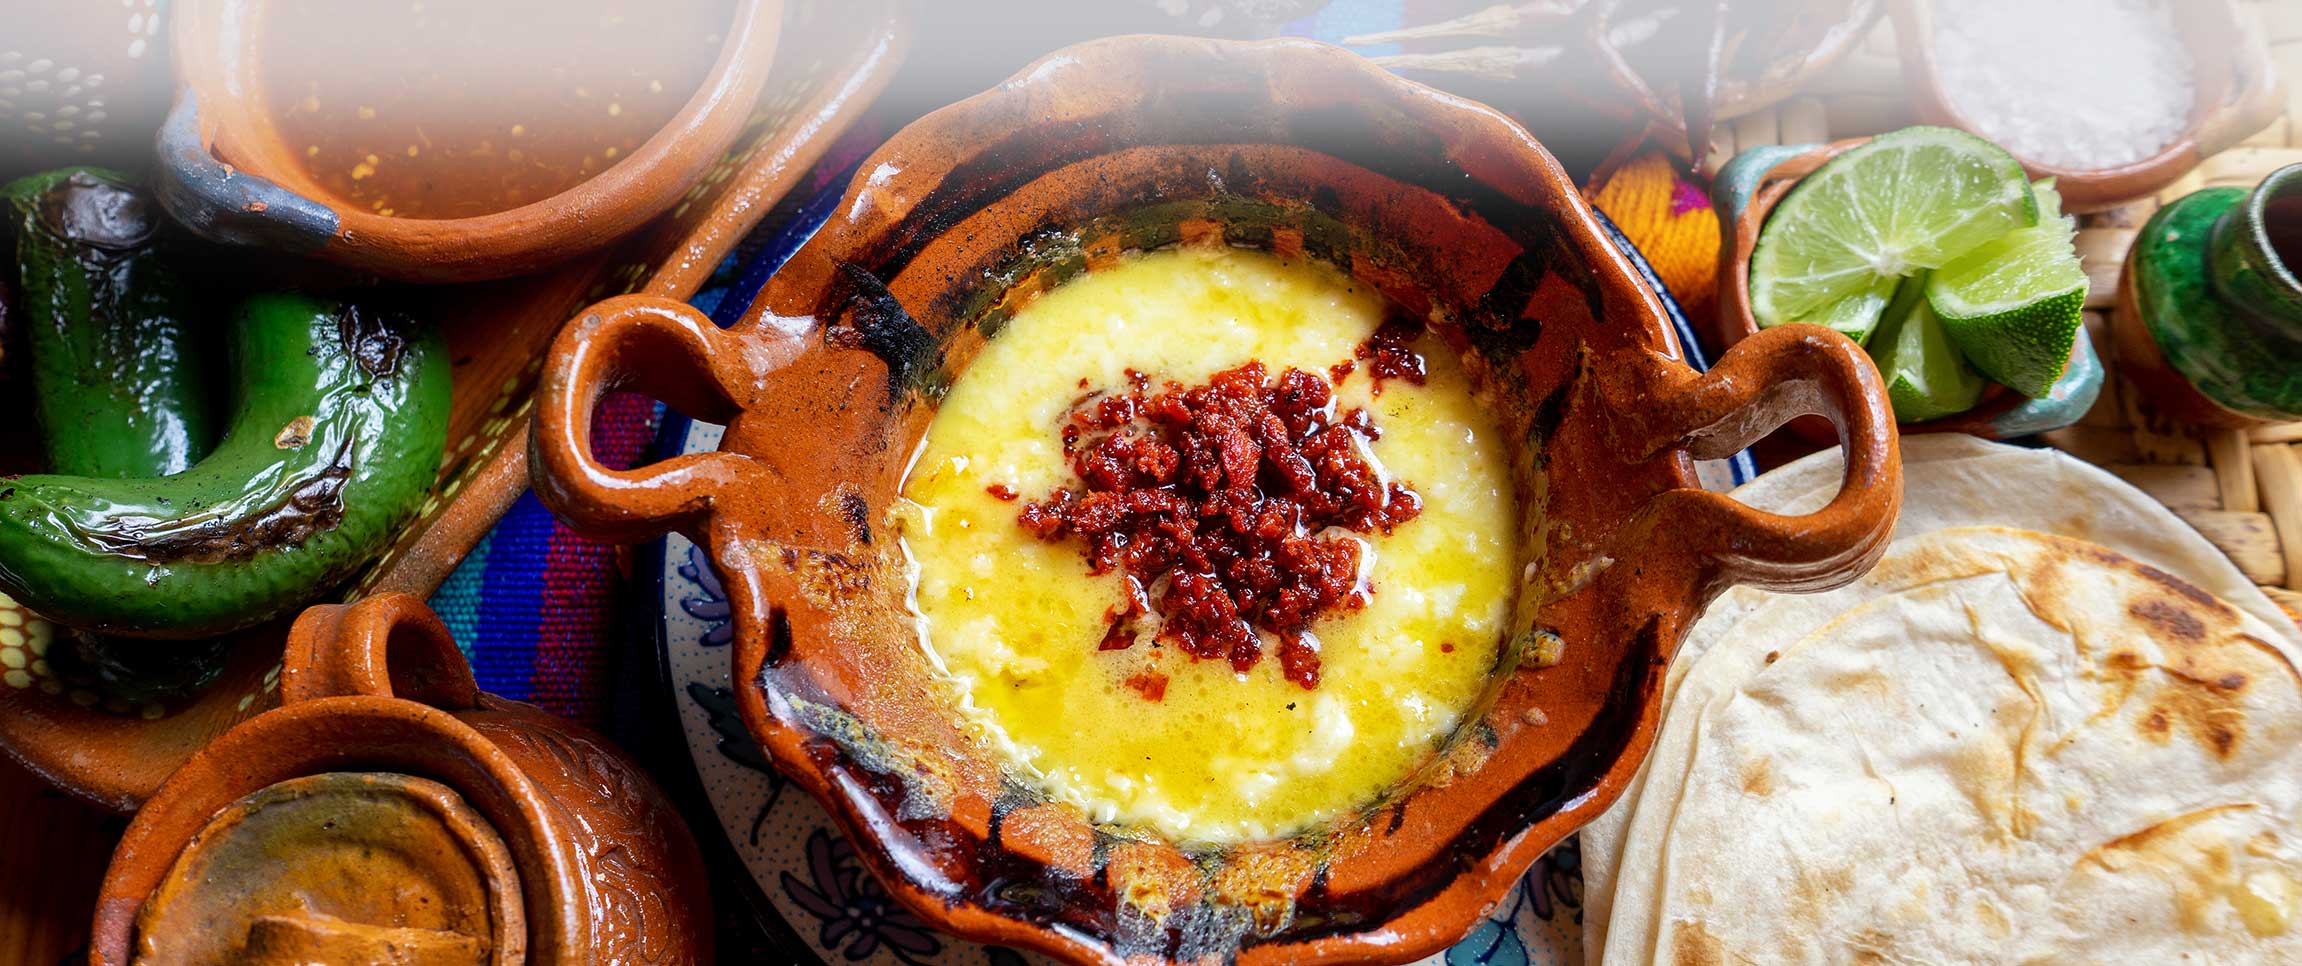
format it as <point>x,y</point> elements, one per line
<point>118,357</point>
<point>339,426</point>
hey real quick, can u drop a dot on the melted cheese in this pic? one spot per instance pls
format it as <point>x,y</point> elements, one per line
<point>1223,757</point>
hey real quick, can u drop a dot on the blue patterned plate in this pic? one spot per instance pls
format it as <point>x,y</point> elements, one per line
<point>810,883</point>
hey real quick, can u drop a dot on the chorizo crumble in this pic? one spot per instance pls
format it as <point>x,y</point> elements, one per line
<point>1227,507</point>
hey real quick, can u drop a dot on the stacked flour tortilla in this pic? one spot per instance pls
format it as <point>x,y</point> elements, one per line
<point>2020,739</point>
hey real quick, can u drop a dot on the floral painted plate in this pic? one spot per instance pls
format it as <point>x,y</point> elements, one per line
<point>811,888</point>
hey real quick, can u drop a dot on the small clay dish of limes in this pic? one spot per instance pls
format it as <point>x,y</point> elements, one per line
<point>1933,249</point>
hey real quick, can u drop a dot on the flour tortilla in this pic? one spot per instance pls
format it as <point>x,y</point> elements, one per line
<point>1949,480</point>
<point>2019,748</point>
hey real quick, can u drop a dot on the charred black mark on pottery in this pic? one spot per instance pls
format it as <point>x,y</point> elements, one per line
<point>1544,421</point>
<point>779,639</point>
<point>1497,329</point>
<point>858,514</point>
<point>879,324</point>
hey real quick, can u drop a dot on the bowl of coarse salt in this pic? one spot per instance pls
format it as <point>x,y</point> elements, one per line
<point>2115,99</point>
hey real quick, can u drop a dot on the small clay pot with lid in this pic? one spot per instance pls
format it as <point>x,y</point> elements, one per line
<point>389,811</point>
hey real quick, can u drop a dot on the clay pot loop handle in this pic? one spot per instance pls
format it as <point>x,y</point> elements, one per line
<point>662,348</point>
<point>1758,385</point>
<point>389,645</point>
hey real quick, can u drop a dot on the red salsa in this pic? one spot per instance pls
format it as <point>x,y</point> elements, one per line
<point>1226,507</point>
<point>1390,354</point>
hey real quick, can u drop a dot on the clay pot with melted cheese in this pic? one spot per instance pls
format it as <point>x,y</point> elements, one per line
<point>973,226</point>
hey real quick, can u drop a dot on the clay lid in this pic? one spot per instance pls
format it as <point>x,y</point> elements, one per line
<point>339,867</point>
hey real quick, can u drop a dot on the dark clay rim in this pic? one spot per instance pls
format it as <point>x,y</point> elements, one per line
<point>216,189</point>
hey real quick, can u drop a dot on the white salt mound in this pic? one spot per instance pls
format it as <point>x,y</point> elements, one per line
<point>2077,84</point>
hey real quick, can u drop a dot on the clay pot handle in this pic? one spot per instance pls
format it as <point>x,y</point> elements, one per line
<point>665,349</point>
<point>389,645</point>
<point>224,203</point>
<point>1760,384</point>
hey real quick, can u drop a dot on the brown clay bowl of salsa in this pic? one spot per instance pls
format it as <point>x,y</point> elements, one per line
<point>452,141</point>
<point>965,295</point>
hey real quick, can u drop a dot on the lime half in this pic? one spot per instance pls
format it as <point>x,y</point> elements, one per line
<point>2013,304</point>
<point>1926,377</point>
<point>1905,202</point>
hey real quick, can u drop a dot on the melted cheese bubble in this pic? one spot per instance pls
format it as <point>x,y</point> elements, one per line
<point>1221,757</point>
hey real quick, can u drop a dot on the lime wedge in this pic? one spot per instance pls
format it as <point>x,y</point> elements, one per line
<point>2013,304</point>
<point>1858,315</point>
<point>1905,202</point>
<point>1926,378</point>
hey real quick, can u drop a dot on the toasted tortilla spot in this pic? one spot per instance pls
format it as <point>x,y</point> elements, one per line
<point>2169,619</point>
<point>2155,841</point>
<point>2214,605</point>
<point>2203,709</point>
<point>1757,778</point>
<point>2222,739</point>
<point>1693,945</point>
<point>2155,727</point>
<point>2199,873</point>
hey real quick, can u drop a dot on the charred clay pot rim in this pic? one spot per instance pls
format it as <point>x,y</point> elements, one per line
<point>829,380</point>
<point>226,174</point>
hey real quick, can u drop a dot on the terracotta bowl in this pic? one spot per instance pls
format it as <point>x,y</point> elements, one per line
<point>227,172</point>
<point>115,754</point>
<point>828,383</point>
<point>605,869</point>
<point>2238,91</point>
<point>1746,191</point>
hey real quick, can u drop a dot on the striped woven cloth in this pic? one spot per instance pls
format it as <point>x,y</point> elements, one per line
<point>541,611</point>
<point>535,605</point>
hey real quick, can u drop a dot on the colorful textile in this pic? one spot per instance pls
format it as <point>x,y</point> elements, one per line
<point>1668,216</point>
<point>539,610</point>
<point>534,605</point>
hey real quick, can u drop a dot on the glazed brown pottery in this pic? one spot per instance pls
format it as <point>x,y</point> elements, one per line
<point>433,788</point>
<point>234,150</point>
<point>378,859</point>
<point>2238,91</point>
<point>116,753</point>
<point>828,383</point>
<point>1748,197</point>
